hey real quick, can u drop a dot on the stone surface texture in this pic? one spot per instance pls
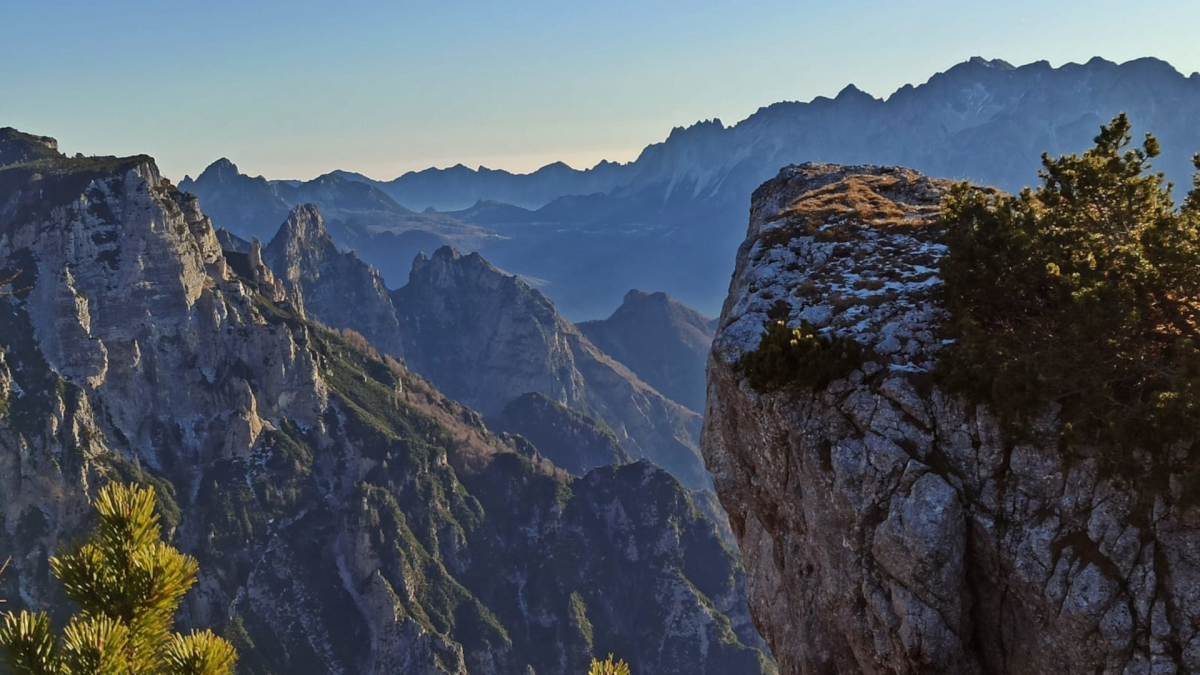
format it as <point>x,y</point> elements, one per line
<point>890,528</point>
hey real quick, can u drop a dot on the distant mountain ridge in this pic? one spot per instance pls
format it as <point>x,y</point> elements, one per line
<point>458,187</point>
<point>976,100</point>
<point>671,219</point>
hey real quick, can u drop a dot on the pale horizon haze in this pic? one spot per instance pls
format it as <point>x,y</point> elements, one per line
<point>297,89</point>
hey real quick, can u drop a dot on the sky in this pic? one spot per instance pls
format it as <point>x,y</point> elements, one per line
<point>297,88</point>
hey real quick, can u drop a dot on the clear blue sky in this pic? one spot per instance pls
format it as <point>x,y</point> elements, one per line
<point>297,88</point>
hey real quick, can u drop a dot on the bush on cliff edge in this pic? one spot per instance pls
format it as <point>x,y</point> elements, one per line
<point>1082,292</point>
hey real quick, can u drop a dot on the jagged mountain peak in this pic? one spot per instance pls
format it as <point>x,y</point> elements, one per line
<point>449,267</point>
<point>637,298</point>
<point>637,295</point>
<point>852,93</point>
<point>700,128</point>
<point>222,169</point>
<point>304,227</point>
<point>999,64</point>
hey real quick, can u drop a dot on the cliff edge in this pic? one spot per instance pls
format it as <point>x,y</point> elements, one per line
<point>889,527</point>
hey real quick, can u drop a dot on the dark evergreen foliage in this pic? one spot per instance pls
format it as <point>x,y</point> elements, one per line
<point>1083,292</point>
<point>800,356</point>
<point>128,584</point>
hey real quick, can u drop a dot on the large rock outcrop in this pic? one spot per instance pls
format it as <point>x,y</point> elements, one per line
<point>348,517</point>
<point>486,337</point>
<point>889,527</point>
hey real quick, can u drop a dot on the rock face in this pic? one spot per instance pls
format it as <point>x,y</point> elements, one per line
<point>338,288</point>
<point>486,338</point>
<point>347,516</point>
<point>889,527</point>
<point>663,341</point>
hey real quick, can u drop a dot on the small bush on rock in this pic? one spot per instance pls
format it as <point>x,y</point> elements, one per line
<point>799,357</point>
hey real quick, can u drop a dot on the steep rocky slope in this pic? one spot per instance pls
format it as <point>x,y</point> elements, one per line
<point>485,338</point>
<point>573,441</point>
<point>888,527</point>
<point>347,516</point>
<point>663,341</point>
<point>338,288</point>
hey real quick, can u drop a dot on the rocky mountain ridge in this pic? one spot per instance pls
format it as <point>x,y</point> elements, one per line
<point>890,527</point>
<point>359,216</point>
<point>348,517</point>
<point>484,337</point>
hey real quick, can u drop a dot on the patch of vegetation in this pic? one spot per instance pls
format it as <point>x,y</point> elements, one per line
<point>878,201</point>
<point>608,667</point>
<point>1084,293</point>
<point>120,469</point>
<point>800,357</point>
<point>579,613</point>
<point>442,604</point>
<point>128,585</point>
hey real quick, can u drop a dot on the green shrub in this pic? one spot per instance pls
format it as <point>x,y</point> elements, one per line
<point>799,357</point>
<point>608,667</point>
<point>1082,293</point>
<point>128,585</point>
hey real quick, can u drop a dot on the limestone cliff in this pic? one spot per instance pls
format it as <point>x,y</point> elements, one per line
<point>348,517</point>
<point>889,527</point>
<point>338,289</point>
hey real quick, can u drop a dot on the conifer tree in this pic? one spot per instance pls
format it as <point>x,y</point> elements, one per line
<point>128,584</point>
<point>608,667</point>
<point>1084,292</point>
